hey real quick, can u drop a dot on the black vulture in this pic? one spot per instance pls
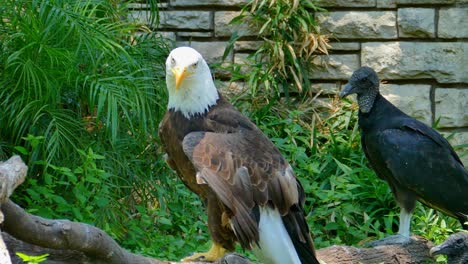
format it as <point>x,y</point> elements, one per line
<point>455,247</point>
<point>416,161</point>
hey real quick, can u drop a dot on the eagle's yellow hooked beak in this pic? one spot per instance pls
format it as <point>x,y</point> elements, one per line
<point>180,74</point>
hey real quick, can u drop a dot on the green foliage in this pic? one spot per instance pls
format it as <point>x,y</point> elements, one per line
<point>290,38</point>
<point>433,224</point>
<point>32,259</point>
<point>178,223</point>
<point>69,66</point>
<point>82,194</point>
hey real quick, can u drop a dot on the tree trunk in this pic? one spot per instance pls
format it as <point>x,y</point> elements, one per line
<point>72,242</point>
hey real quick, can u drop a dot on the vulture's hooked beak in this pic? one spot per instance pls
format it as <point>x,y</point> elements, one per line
<point>180,73</point>
<point>347,90</point>
<point>437,250</point>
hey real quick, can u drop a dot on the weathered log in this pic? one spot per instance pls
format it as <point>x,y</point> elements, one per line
<point>416,251</point>
<point>64,234</point>
<point>66,256</point>
<point>57,256</point>
<point>70,242</point>
<point>4,253</point>
<point>12,174</point>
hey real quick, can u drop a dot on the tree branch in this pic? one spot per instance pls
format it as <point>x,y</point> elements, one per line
<point>64,234</point>
<point>416,251</point>
<point>12,174</point>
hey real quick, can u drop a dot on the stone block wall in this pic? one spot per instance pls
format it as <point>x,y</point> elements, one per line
<point>418,48</point>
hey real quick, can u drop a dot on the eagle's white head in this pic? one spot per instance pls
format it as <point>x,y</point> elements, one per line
<point>189,82</point>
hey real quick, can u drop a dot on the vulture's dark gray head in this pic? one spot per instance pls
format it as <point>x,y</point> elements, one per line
<point>455,247</point>
<point>363,80</point>
<point>365,83</point>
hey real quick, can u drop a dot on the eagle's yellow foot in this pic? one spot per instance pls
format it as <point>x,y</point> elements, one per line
<point>216,252</point>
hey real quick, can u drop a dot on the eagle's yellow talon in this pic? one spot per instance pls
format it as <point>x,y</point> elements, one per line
<point>216,252</point>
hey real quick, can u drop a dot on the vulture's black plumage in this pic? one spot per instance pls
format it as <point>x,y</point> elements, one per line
<point>455,247</point>
<point>416,161</point>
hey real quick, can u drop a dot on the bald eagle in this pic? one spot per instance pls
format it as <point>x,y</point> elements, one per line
<point>416,161</point>
<point>251,192</point>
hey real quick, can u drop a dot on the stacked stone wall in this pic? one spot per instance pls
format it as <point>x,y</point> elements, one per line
<point>418,48</point>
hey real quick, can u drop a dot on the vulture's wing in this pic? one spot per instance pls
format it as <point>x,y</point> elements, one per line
<point>417,126</point>
<point>422,161</point>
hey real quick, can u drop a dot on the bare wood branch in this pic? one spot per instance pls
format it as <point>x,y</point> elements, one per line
<point>64,234</point>
<point>64,256</point>
<point>12,174</point>
<point>4,254</point>
<point>417,251</point>
<point>56,256</point>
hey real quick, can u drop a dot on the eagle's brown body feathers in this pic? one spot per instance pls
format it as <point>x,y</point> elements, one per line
<point>239,169</point>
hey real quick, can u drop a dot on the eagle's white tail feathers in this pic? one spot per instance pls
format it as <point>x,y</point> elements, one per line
<point>275,244</point>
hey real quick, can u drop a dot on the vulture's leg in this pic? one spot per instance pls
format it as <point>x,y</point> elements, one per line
<point>405,221</point>
<point>221,234</point>
<point>407,202</point>
<point>403,236</point>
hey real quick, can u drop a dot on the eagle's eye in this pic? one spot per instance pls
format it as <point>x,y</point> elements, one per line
<point>195,64</point>
<point>172,61</point>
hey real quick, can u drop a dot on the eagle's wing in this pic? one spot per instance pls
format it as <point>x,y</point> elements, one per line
<point>242,176</point>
